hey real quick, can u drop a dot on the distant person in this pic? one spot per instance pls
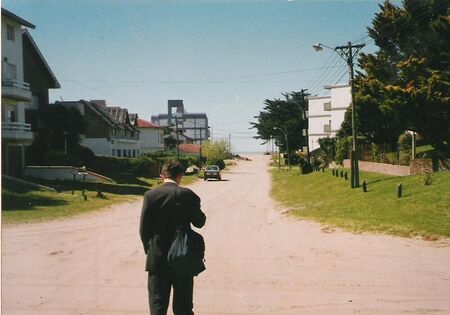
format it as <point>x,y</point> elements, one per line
<point>160,218</point>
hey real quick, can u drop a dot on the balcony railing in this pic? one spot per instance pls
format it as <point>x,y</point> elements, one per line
<point>16,89</point>
<point>16,131</point>
<point>16,84</point>
<point>16,126</point>
<point>125,139</point>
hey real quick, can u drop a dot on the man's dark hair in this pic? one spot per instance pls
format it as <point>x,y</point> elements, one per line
<point>172,169</point>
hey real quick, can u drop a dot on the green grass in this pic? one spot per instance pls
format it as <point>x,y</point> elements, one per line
<point>35,205</point>
<point>23,204</point>
<point>189,179</point>
<point>422,211</point>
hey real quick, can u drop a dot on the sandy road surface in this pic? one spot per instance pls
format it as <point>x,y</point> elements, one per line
<point>259,261</point>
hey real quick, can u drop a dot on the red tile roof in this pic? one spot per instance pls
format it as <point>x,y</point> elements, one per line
<point>141,123</point>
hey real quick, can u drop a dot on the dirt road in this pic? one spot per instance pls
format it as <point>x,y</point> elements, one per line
<point>259,261</point>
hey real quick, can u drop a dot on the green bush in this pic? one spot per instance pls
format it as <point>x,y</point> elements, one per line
<point>305,166</point>
<point>405,142</point>
<point>76,156</point>
<point>220,163</point>
<point>342,148</point>
<point>141,166</point>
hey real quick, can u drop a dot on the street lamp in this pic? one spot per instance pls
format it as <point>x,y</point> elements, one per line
<point>287,144</point>
<point>347,53</point>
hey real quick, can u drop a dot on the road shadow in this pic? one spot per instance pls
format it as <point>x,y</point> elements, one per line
<point>21,202</point>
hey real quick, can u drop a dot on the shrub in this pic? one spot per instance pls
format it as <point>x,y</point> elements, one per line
<point>108,165</point>
<point>405,142</point>
<point>219,163</point>
<point>305,166</point>
<point>342,148</point>
<point>76,156</point>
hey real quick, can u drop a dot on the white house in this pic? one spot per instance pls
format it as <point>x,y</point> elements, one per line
<point>109,130</point>
<point>17,95</point>
<point>326,113</point>
<point>151,136</point>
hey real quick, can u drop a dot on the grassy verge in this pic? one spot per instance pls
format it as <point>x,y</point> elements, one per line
<point>35,206</point>
<point>422,211</point>
<point>22,204</point>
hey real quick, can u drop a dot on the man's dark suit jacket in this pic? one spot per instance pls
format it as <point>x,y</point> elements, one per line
<point>160,218</point>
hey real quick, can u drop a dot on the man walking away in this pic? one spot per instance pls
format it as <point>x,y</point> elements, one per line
<point>164,209</point>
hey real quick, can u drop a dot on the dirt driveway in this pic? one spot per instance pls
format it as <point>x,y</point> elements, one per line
<point>259,261</point>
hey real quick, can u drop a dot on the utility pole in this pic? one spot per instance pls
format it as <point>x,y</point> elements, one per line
<point>178,140</point>
<point>346,52</point>
<point>229,143</point>
<point>306,123</point>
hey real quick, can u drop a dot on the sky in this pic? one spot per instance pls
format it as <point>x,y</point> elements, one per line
<point>223,58</point>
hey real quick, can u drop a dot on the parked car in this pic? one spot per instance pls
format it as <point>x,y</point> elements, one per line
<point>212,171</point>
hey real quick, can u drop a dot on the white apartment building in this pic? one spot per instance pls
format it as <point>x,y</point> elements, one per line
<point>16,95</point>
<point>326,113</point>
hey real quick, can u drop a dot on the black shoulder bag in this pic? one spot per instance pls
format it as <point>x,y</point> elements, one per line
<point>187,250</point>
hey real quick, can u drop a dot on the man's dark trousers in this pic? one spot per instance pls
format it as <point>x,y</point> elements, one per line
<point>159,284</point>
<point>160,218</point>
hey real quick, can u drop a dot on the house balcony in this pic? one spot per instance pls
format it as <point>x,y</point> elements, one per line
<point>119,139</point>
<point>15,89</point>
<point>16,131</point>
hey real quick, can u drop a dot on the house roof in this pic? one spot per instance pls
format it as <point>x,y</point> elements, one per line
<point>113,115</point>
<point>17,19</point>
<point>27,37</point>
<point>103,112</point>
<point>142,123</point>
<point>190,148</point>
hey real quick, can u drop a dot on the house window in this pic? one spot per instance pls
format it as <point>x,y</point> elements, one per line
<point>10,32</point>
<point>113,152</point>
<point>327,106</point>
<point>118,153</point>
<point>113,131</point>
<point>134,153</point>
<point>132,134</point>
<point>10,71</point>
<point>12,116</point>
<point>327,128</point>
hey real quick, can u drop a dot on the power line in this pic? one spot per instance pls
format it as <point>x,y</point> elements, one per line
<point>325,78</point>
<point>280,72</point>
